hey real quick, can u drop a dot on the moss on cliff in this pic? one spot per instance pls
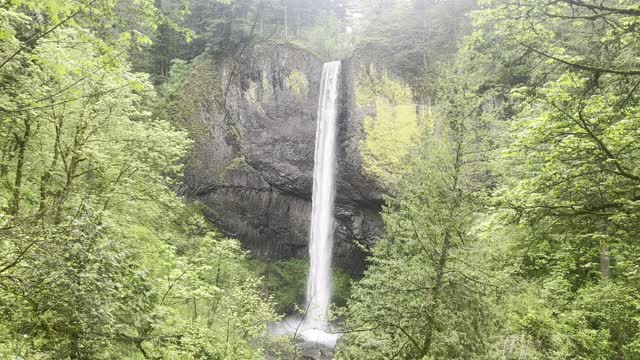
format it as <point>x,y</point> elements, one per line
<point>393,132</point>
<point>297,82</point>
<point>190,86</point>
<point>190,89</point>
<point>267,88</point>
<point>238,162</point>
<point>255,94</point>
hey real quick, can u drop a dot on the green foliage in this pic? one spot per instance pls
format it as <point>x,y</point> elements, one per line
<point>418,38</point>
<point>329,38</point>
<point>210,304</point>
<point>568,202</point>
<point>341,284</point>
<point>99,259</point>
<point>392,134</point>
<point>423,294</point>
<point>557,245</point>
<point>222,27</point>
<point>285,282</point>
<point>187,88</point>
<point>531,254</point>
<point>546,323</point>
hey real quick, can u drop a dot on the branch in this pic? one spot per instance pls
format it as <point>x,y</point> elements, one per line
<point>63,102</point>
<point>17,259</point>
<point>40,36</point>
<point>172,284</point>
<point>601,7</point>
<point>409,336</point>
<point>582,66</point>
<point>582,123</point>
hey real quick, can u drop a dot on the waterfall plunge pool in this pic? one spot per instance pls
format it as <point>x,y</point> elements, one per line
<point>314,342</point>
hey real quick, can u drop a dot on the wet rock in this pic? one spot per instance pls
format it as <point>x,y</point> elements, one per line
<point>252,165</point>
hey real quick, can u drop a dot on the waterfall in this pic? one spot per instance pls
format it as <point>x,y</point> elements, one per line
<point>322,222</point>
<point>314,327</point>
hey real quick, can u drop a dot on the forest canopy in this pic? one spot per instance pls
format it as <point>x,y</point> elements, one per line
<point>503,133</point>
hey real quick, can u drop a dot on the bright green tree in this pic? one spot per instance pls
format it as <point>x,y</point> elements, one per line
<point>425,293</point>
<point>569,205</point>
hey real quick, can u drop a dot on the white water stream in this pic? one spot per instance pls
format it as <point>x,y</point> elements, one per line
<point>322,223</point>
<point>314,328</point>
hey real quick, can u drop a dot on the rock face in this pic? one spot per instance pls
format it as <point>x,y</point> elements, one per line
<point>252,165</point>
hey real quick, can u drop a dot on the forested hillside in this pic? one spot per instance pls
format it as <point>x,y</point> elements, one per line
<point>156,177</point>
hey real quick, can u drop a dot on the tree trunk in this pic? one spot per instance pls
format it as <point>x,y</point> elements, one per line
<point>22,147</point>
<point>605,264</point>
<point>286,29</point>
<point>46,177</point>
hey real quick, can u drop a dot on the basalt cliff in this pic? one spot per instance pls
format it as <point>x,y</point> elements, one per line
<point>252,163</point>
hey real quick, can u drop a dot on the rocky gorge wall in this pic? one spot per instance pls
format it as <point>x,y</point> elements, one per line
<point>253,159</point>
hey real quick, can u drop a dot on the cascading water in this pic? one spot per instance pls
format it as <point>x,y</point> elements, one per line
<point>322,223</point>
<point>314,327</point>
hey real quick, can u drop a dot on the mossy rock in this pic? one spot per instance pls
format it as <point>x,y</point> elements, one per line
<point>297,82</point>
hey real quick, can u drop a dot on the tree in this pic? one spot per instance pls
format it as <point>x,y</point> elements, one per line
<point>424,294</point>
<point>99,258</point>
<point>419,36</point>
<point>569,200</point>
